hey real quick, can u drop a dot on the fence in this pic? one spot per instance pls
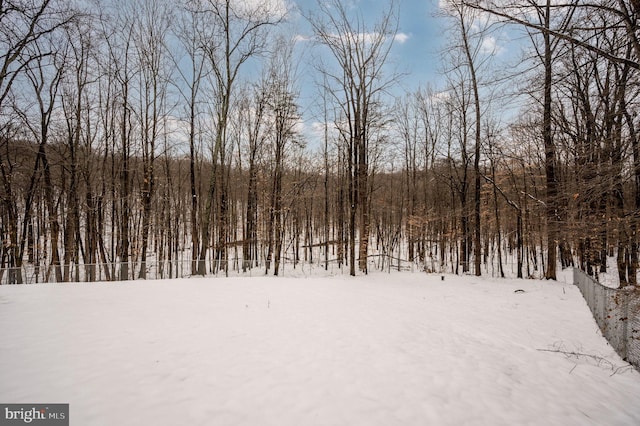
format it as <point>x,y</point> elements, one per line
<point>164,269</point>
<point>617,312</point>
<point>32,274</point>
<point>182,268</point>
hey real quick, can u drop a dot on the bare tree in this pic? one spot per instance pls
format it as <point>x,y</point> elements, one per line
<point>471,34</point>
<point>356,85</point>
<point>283,112</point>
<point>236,32</point>
<point>118,33</point>
<point>254,107</point>
<point>188,32</point>
<point>23,23</point>
<point>551,24</point>
<point>44,84</point>
<point>151,51</point>
<point>624,13</point>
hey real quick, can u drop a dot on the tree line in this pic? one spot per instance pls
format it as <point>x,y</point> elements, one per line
<point>146,133</point>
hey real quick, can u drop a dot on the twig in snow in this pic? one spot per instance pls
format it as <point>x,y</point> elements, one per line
<point>597,358</point>
<point>622,369</point>
<point>600,360</point>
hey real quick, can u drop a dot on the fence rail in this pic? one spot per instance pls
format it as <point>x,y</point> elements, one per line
<point>183,268</point>
<point>33,274</point>
<point>154,269</point>
<point>617,313</point>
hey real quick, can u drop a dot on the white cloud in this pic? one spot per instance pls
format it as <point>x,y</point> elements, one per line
<point>273,9</point>
<point>317,127</point>
<point>444,5</point>
<point>300,127</point>
<point>299,38</point>
<point>401,38</point>
<point>477,18</point>
<point>367,38</point>
<point>442,96</point>
<point>490,46</point>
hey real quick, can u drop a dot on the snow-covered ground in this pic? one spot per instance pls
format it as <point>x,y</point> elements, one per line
<point>385,349</point>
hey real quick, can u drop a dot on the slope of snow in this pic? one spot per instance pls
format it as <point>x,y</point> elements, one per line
<point>385,349</point>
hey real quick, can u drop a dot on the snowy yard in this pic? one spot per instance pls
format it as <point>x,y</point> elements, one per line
<point>386,349</point>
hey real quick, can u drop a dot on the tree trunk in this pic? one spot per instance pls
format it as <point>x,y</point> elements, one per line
<point>549,153</point>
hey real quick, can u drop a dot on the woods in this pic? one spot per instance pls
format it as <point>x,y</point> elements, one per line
<point>150,134</point>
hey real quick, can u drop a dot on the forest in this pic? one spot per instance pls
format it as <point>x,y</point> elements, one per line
<point>168,136</point>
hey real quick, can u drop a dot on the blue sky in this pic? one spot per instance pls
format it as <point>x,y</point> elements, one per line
<point>415,52</point>
<point>418,54</point>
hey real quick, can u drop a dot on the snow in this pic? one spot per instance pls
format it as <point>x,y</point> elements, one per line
<point>383,349</point>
